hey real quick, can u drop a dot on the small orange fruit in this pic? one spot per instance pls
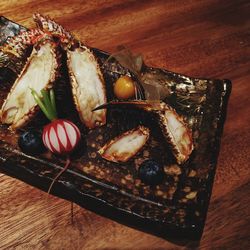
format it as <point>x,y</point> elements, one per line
<point>124,87</point>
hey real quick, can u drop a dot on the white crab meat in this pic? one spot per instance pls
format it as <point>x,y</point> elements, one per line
<point>88,86</point>
<point>179,136</point>
<point>125,146</point>
<point>173,127</point>
<point>38,73</point>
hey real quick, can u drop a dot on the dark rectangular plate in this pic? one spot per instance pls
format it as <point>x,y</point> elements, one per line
<point>175,209</point>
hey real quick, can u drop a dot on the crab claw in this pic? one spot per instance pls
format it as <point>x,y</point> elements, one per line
<point>125,146</point>
<point>172,125</point>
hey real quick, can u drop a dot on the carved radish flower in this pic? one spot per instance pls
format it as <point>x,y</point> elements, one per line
<point>60,136</point>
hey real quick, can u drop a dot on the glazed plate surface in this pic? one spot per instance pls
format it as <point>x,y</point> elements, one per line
<point>177,207</point>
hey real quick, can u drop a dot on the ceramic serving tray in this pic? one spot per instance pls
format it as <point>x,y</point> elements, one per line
<point>176,208</point>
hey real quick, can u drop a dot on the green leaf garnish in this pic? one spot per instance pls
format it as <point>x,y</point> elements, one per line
<point>53,101</point>
<point>46,101</point>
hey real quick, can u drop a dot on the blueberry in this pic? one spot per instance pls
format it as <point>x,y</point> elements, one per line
<point>151,172</point>
<point>30,142</point>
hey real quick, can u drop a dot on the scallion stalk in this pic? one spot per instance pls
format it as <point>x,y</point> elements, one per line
<point>45,103</point>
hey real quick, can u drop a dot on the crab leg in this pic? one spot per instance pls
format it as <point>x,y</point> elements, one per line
<point>17,45</point>
<point>50,26</point>
<point>87,82</point>
<point>172,125</point>
<point>39,73</point>
<point>88,86</point>
<point>125,146</point>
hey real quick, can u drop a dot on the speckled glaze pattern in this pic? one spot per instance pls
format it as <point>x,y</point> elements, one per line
<point>175,208</point>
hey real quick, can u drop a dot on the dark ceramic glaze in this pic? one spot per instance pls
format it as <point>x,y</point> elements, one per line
<point>177,207</point>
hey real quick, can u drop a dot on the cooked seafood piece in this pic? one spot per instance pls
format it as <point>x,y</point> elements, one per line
<point>86,78</point>
<point>88,86</point>
<point>125,146</point>
<point>15,51</point>
<point>172,125</point>
<point>39,73</point>
<point>17,45</point>
<point>50,26</point>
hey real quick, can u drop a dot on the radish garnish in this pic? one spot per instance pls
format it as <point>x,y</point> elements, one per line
<point>60,136</point>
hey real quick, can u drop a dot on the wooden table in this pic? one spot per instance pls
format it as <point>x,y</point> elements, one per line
<point>209,38</point>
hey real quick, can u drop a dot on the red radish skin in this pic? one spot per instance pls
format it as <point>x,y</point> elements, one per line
<point>61,136</point>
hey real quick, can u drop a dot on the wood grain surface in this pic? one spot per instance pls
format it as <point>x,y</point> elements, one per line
<point>208,38</point>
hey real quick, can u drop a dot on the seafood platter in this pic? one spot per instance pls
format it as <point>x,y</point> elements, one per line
<point>134,143</point>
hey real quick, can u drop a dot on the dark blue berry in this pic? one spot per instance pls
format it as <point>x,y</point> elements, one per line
<point>151,172</point>
<point>30,142</point>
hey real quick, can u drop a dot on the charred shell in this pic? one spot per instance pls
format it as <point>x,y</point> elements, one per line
<point>87,82</point>
<point>125,146</point>
<point>18,45</point>
<point>88,86</point>
<point>48,25</point>
<point>15,51</point>
<point>39,72</point>
<point>175,131</point>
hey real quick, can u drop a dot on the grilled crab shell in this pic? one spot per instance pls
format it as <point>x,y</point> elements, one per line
<point>17,45</point>
<point>48,25</point>
<point>125,146</point>
<point>176,132</point>
<point>88,86</point>
<point>39,72</point>
<point>15,51</point>
<point>87,82</point>
<point>172,125</point>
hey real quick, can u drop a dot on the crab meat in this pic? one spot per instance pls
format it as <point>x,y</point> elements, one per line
<point>172,125</point>
<point>39,73</point>
<point>88,86</point>
<point>125,146</point>
<point>15,51</point>
<point>176,133</point>
<point>86,78</point>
